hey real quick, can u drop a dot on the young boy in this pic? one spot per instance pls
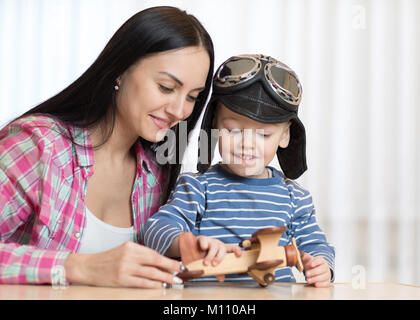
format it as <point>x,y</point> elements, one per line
<point>254,111</point>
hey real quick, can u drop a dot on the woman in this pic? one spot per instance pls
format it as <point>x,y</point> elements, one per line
<point>78,174</point>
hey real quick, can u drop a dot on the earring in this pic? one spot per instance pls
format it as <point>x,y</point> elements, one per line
<point>117,86</point>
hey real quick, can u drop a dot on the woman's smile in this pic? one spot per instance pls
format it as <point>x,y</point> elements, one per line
<point>161,123</point>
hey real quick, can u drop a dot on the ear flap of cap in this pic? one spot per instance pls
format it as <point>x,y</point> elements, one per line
<point>293,158</point>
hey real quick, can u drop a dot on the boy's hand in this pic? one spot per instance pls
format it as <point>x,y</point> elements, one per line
<point>216,250</point>
<point>317,271</point>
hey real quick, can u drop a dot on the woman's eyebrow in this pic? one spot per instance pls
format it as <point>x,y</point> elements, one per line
<point>178,81</point>
<point>172,77</point>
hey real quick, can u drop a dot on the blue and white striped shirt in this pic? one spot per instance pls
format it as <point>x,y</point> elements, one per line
<point>231,208</point>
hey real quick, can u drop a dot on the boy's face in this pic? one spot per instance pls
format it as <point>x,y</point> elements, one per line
<point>247,146</point>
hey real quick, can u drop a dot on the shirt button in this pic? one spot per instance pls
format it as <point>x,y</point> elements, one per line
<point>77,235</point>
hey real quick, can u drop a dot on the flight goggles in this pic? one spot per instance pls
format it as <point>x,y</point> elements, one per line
<point>240,71</point>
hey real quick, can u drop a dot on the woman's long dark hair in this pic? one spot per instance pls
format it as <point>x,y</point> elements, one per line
<point>86,101</point>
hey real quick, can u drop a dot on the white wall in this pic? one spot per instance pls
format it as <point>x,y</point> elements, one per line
<point>357,60</point>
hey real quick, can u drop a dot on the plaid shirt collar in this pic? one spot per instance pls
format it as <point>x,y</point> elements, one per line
<point>83,146</point>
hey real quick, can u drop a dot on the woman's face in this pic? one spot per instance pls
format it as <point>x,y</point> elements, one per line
<point>160,90</point>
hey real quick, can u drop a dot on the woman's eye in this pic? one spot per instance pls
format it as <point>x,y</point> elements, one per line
<point>165,89</point>
<point>234,131</point>
<point>193,99</point>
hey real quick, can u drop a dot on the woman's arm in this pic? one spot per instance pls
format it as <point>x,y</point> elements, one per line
<point>128,265</point>
<point>24,165</point>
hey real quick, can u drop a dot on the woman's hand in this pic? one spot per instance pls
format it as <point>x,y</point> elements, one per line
<point>317,271</point>
<point>128,265</point>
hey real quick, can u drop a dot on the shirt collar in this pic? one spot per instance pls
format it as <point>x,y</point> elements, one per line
<point>145,158</point>
<point>83,146</point>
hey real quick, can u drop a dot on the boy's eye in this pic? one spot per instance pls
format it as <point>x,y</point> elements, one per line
<point>234,131</point>
<point>165,89</point>
<point>265,135</point>
<point>262,133</point>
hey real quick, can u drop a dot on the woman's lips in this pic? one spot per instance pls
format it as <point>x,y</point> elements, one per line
<point>161,123</point>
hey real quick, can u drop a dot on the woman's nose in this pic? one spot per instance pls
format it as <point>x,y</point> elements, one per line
<point>178,109</point>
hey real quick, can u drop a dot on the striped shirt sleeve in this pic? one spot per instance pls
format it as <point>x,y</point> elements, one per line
<point>24,166</point>
<point>182,213</point>
<point>308,235</point>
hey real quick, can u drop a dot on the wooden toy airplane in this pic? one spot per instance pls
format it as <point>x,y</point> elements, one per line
<point>261,257</point>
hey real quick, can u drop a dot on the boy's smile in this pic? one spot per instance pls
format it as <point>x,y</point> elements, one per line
<point>247,161</point>
<point>247,146</point>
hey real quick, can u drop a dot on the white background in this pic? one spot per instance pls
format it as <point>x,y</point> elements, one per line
<point>359,65</point>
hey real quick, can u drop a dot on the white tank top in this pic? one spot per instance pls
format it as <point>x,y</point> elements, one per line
<point>99,236</point>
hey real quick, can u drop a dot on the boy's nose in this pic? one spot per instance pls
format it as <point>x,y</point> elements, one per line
<point>248,139</point>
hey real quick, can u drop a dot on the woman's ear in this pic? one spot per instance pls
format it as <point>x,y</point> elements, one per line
<point>285,136</point>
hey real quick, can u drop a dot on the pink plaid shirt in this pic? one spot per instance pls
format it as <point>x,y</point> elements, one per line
<point>43,185</point>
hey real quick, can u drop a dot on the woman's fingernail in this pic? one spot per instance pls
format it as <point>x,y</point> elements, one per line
<point>183,268</point>
<point>166,285</point>
<point>178,280</point>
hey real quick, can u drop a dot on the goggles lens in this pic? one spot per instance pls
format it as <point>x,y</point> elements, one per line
<point>285,80</point>
<point>237,67</point>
